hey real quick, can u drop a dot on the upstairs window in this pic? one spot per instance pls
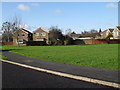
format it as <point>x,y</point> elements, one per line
<point>36,34</point>
<point>23,34</point>
<point>43,34</point>
<point>18,34</point>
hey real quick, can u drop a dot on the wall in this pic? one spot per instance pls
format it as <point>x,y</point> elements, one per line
<point>104,41</point>
<point>8,43</point>
<point>96,41</point>
<point>36,43</point>
<point>82,42</point>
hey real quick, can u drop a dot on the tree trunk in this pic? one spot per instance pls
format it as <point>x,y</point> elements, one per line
<point>17,42</point>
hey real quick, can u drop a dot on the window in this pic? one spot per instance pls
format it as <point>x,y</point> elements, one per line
<point>18,34</point>
<point>20,41</point>
<point>36,34</point>
<point>23,34</point>
<point>117,33</point>
<point>43,34</point>
<point>39,39</point>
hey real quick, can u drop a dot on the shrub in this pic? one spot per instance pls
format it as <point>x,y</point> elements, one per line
<point>68,40</point>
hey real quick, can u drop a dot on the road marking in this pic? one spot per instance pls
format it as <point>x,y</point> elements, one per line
<point>106,83</point>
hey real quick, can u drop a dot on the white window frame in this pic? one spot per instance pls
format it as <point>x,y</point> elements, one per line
<point>23,34</point>
<point>43,34</point>
<point>41,39</point>
<point>19,34</point>
<point>21,41</point>
<point>36,34</point>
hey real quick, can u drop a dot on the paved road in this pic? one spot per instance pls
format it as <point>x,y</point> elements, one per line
<point>19,77</point>
<point>100,74</point>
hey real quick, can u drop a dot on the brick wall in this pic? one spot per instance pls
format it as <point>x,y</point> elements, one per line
<point>36,43</point>
<point>104,41</point>
<point>96,41</point>
<point>8,43</point>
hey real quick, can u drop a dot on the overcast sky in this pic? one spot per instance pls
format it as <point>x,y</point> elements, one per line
<point>78,16</point>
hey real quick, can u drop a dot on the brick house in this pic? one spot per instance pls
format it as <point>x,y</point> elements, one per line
<point>40,35</point>
<point>21,37</point>
<point>116,32</point>
<point>105,33</point>
<point>109,31</point>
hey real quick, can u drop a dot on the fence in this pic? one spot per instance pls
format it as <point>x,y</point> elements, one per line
<point>104,41</point>
<point>75,42</point>
<point>96,41</point>
<point>35,43</point>
<point>7,43</point>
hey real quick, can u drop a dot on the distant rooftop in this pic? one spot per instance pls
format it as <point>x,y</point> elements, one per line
<point>118,27</point>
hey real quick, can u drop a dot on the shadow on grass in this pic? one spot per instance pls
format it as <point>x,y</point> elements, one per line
<point>7,50</point>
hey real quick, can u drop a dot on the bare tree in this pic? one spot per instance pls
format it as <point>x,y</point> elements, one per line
<point>91,33</point>
<point>68,31</point>
<point>16,23</point>
<point>7,30</point>
<point>16,27</point>
<point>10,29</point>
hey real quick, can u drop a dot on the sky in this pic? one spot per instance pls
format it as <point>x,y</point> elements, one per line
<point>77,16</point>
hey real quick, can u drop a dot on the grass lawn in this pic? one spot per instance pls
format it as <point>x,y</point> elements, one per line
<point>1,56</point>
<point>99,56</point>
<point>0,47</point>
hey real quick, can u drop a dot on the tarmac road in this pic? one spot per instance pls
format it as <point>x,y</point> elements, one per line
<point>14,76</point>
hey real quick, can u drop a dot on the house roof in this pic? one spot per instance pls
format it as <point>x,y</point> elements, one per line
<point>110,29</point>
<point>98,34</point>
<point>25,30</point>
<point>74,35</point>
<point>104,31</point>
<point>39,29</point>
<point>118,27</point>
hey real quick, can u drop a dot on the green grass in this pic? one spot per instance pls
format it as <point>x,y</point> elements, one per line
<point>0,47</point>
<point>99,56</point>
<point>2,57</point>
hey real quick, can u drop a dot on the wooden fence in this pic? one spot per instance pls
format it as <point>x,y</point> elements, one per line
<point>7,43</point>
<point>104,41</point>
<point>96,41</point>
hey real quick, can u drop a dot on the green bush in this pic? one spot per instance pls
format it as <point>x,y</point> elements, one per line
<point>68,40</point>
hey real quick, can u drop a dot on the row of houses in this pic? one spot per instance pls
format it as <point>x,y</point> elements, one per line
<point>22,36</point>
<point>114,32</point>
<point>100,35</point>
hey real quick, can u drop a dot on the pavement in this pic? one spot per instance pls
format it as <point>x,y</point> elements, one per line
<point>95,73</point>
<point>14,76</point>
